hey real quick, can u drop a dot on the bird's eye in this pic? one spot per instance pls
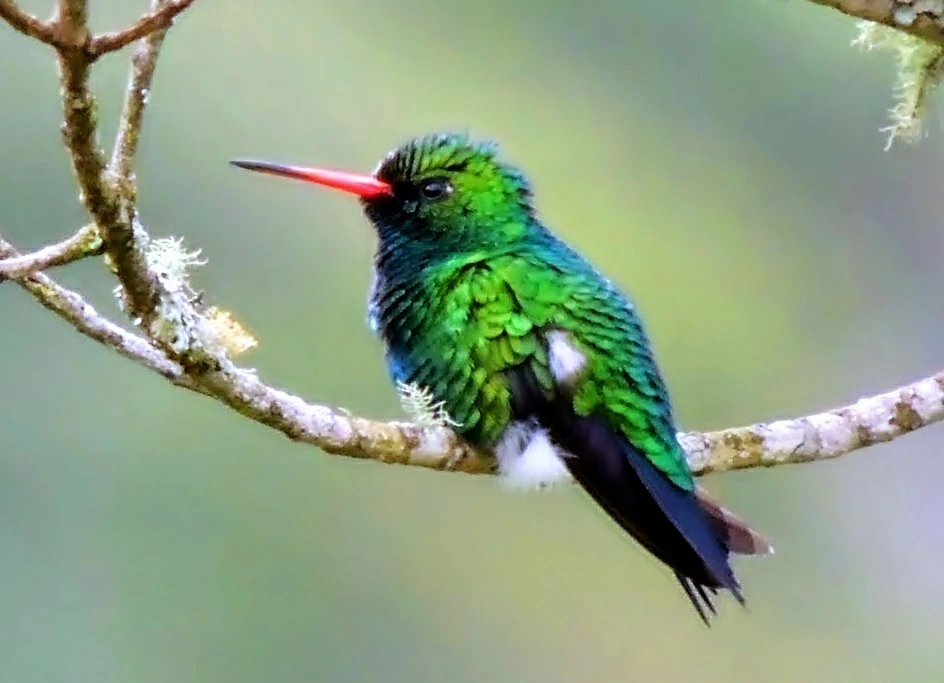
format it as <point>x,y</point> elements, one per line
<point>437,188</point>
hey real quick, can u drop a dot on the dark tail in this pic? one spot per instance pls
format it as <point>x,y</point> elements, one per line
<point>686,530</point>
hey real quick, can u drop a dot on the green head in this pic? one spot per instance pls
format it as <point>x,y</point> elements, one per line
<point>441,191</point>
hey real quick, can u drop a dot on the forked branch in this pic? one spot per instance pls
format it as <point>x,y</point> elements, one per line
<point>159,19</point>
<point>24,22</point>
<point>60,32</point>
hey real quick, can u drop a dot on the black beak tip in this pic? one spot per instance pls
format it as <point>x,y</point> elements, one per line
<point>247,164</point>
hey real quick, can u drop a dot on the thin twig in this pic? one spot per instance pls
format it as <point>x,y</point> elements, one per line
<point>83,243</point>
<point>171,319</point>
<point>822,436</point>
<point>24,22</point>
<point>137,96</point>
<point>72,308</point>
<point>160,18</point>
<point>123,240</point>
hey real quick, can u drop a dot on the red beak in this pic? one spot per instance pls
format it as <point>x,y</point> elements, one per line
<point>364,186</point>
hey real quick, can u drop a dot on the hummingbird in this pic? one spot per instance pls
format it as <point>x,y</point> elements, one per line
<point>536,356</point>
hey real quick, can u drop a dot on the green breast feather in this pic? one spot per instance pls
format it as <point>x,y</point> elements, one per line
<point>485,316</point>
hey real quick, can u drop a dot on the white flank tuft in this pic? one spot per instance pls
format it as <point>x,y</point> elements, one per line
<point>527,459</point>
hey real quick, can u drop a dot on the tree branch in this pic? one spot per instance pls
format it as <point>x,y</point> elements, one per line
<point>822,436</point>
<point>24,22</point>
<point>83,243</point>
<point>137,95</point>
<point>921,18</point>
<point>124,240</point>
<point>72,308</point>
<point>108,194</point>
<point>160,18</point>
<point>75,14</point>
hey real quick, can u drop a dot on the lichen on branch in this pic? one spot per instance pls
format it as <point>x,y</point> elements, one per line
<point>181,323</point>
<point>920,69</point>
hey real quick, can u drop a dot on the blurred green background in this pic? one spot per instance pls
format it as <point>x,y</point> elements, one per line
<point>721,161</point>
